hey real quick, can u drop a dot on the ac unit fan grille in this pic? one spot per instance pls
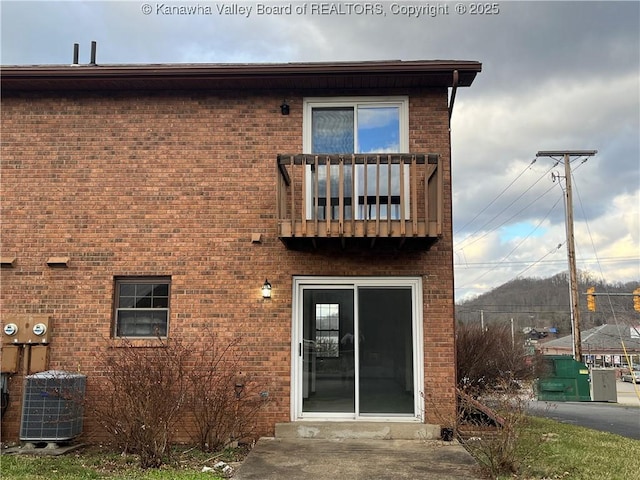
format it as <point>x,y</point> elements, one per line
<point>52,406</point>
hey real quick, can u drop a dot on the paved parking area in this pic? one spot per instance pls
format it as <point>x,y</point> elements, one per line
<point>627,394</point>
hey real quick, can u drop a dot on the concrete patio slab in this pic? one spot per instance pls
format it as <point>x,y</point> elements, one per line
<point>356,459</point>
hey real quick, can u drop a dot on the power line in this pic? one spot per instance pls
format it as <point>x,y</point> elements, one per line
<point>461,249</point>
<point>521,242</point>
<point>508,219</point>
<point>499,195</point>
<point>534,264</point>
<point>613,313</point>
<point>462,244</point>
<point>527,262</point>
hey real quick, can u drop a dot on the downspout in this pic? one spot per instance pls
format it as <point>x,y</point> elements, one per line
<point>454,89</point>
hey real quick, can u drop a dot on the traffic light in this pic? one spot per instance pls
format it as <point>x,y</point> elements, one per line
<point>636,299</point>
<point>591,299</point>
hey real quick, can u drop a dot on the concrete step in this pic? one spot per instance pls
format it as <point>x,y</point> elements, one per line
<point>358,430</point>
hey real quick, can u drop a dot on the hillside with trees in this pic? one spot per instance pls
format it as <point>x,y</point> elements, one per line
<point>544,302</point>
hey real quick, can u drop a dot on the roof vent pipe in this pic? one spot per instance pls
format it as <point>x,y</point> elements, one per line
<point>93,54</point>
<point>76,53</point>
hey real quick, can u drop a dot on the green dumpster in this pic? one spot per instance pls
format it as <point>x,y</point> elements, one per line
<point>564,380</point>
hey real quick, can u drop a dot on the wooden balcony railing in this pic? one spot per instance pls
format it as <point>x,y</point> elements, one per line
<point>371,196</point>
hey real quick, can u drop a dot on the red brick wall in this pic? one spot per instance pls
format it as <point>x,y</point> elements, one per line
<point>175,184</point>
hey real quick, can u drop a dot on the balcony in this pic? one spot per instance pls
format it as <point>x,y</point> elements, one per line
<point>359,200</point>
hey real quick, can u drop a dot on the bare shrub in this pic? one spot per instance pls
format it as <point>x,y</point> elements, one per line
<point>223,400</point>
<point>494,371</point>
<point>490,358</point>
<point>140,398</point>
<point>492,430</point>
<point>145,393</point>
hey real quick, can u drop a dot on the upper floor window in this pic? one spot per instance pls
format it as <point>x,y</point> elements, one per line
<point>356,125</point>
<point>142,307</point>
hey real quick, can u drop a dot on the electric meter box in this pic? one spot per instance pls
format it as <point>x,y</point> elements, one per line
<point>9,358</point>
<point>28,328</point>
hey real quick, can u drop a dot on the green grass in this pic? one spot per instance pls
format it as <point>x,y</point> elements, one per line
<point>100,464</point>
<point>549,450</point>
<point>554,450</point>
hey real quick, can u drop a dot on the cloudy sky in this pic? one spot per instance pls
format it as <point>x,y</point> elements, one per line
<point>556,76</point>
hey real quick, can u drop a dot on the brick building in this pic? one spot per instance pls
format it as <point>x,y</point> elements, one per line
<point>147,201</point>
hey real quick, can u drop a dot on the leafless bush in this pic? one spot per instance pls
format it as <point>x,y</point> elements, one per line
<point>494,371</point>
<point>141,397</point>
<point>145,393</point>
<point>492,430</point>
<point>491,358</point>
<point>223,400</point>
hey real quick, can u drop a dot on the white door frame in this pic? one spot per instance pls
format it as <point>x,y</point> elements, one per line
<point>300,283</point>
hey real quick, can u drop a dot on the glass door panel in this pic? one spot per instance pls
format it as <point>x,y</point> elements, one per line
<point>386,380</point>
<point>332,132</point>
<point>378,129</point>
<point>328,351</point>
<point>379,132</point>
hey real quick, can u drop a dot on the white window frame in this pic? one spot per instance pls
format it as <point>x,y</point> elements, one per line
<point>300,283</point>
<point>309,103</point>
<point>161,280</point>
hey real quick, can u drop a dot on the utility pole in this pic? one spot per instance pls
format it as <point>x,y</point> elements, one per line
<point>513,335</point>
<point>571,249</point>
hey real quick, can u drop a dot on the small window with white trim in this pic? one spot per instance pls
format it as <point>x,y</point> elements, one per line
<point>141,307</point>
<point>327,329</point>
<point>345,125</point>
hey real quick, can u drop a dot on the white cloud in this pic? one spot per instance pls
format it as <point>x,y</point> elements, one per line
<point>495,138</point>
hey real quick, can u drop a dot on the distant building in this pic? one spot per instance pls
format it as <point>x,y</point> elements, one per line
<point>601,346</point>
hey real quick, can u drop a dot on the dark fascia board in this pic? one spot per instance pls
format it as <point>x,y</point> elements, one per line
<point>354,75</point>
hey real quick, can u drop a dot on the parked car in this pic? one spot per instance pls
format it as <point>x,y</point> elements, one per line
<point>628,377</point>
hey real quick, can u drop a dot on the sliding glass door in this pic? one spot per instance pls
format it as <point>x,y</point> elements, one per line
<point>356,349</point>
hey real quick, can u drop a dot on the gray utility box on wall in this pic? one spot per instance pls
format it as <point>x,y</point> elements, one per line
<point>603,383</point>
<point>52,406</point>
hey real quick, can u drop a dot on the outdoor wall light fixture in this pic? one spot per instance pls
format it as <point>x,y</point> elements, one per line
<point>238,388</point>
<point>266,289</point>
<point>284,108</point>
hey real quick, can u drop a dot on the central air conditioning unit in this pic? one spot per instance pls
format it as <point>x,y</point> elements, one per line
<point>52,406</point>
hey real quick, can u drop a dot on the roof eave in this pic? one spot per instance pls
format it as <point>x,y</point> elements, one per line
<point>437,73</point>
